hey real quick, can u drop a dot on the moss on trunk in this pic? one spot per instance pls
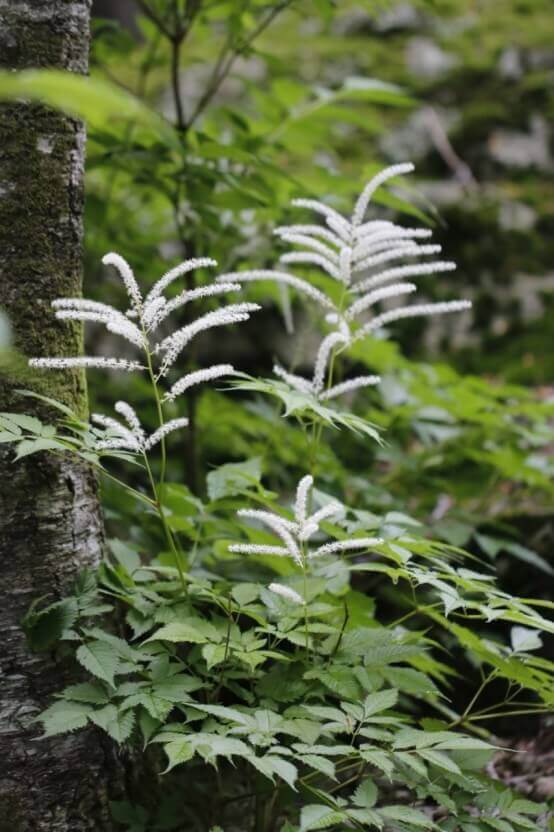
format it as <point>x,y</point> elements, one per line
<point>50,524</point>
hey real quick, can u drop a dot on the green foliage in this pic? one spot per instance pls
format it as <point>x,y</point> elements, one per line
<point>344,710</point>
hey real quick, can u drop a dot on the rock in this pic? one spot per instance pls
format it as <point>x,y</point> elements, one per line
<point>413,140</point>
<point>426,59</point>
<point>545,787</point>
<point>444,192</point>
<point>400,17</point>
<point>516,216</point>
<point>516,149</point>
<point>510,66</point>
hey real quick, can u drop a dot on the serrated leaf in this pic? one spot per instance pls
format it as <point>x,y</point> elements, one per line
<point>99,658</point>
<point>156,706</point>
<point>366,794</point>
<point>91,692</point>
<point>374,703</point>
<point>405,814</point>
<point>22,420</point>
<point>176,688</point>
<point>316,816</point>
<point>45,627</point>
<point>437,758</point>
<point>178,633</point>
<point>210,746</point>
<point>320,764</point>
<point>178,751</point>
<point>116,722</point>
<point>62,717</point>
<point>233,478</point>
<point>272,766</point>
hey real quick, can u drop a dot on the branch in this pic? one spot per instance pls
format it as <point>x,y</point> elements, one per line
<point>225,61</point>
<point>152,16</point>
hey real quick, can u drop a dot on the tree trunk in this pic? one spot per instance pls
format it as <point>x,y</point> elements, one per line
<point>50,522</point>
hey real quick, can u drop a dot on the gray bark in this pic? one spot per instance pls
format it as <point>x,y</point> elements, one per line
<point>50,523</point>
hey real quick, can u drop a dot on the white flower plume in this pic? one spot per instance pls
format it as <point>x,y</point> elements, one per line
<point>144,317</point>
<point>286,592</point>
<point>295,535</point>
<point>85,361</point>
<point>199,377</point>
<point>355,253</point>
<point>165,430</point>
<point>131,436</point>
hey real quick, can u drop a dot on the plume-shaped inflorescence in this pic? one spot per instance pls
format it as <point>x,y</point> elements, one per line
<point>295,535</point>
<point>140,325</point>
<point>370,261</point>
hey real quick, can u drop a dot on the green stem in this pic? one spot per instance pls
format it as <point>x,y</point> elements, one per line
<point>167,531</point>
<point>160,416</point>
<point>472,701</point>
<point>535,711</point>
<point>127,487</point>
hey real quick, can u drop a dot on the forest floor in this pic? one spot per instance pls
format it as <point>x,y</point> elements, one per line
<point>531,769</point>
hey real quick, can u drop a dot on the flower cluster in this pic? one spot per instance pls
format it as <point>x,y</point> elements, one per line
<point>139,326</point>
<point>129,435</point>
<point>356,255</point>
<point>295,535</point>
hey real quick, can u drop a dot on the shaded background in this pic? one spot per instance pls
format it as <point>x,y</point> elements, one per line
<point>479,130</point>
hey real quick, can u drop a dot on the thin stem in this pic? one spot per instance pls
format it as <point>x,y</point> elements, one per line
<point>473,700</point>
<point>521,712</point>
<point>227,58</point>
<point>167,531</point>
<point>306,632</point>
<point>160,413</point>
<point>127,487</point>
<point>341,634</point>
<point>176,44</point>
<point>154,18</point>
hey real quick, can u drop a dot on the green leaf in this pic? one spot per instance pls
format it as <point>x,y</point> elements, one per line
<point>210,746</point>
<point>99,658</point>
<point>321,764</point>
<point>317,816</point>
<point>406,814</point>
<point>62,717</point>
<point>437,758</point>
<point>176,688</point>
<point>28,423</point>
<point>116,722</point>
<point>44,628</point>
<point>525,640</point>
<point>272,766</point>
<point>178,633</point>
<point>157,707</point>
<point>234,478</point>
<point>245,593</point>
<point>33,446</point>
<point>178,751</point>
<point>376,702</point>
<point>91,692</point>
<point>100,103</point>
<point>366,794</point>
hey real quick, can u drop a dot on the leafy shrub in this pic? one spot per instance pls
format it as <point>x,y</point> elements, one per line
<point>242,658</point>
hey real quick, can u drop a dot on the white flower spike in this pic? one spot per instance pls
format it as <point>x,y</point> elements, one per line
<point>353,251</point>
<point>286,592</point>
